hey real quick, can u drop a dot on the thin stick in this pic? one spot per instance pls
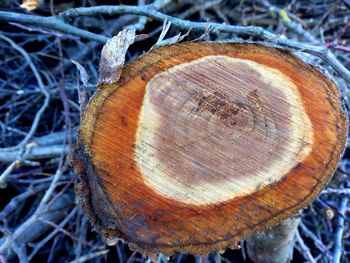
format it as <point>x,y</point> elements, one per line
<point>305,251</point>
<point>150,11</point>
<point>340,229</point>
<point>90,256</point>
<point>50,23</point>
<point>7,172</point>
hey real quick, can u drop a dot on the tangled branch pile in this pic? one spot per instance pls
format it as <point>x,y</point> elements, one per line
<point>49,61</point>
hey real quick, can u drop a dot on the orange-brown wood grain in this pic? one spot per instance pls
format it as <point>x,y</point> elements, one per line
<point>121,203</point>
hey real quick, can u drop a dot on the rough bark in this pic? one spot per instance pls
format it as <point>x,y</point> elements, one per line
<point>274,245</point>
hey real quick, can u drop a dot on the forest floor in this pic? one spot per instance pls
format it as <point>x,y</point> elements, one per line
<point>40,113</point>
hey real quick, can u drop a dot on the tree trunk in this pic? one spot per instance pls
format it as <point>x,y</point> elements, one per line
<point>274,245</point>
<point>200,145</point>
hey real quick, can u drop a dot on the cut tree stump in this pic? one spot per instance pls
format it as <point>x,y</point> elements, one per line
<point>200,145</point>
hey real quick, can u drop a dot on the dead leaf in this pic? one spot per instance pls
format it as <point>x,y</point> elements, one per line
<point>30,5</point>
<point>113,56</point>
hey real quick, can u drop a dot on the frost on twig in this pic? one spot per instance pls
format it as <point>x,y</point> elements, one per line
<point>113,56</point>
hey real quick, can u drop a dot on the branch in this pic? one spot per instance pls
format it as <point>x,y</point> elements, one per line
<point>32,228</point>
<point>338,239</point>
<point>21,146</point>
<point>254,31</point>
<point>59,23</point>
<point>52,23</point>
<point>151,12</point>
<point>304,249</point>
<point>7,172</point>
<point>15,202</point>
<point>35,153</point>
<point>91,255</point>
